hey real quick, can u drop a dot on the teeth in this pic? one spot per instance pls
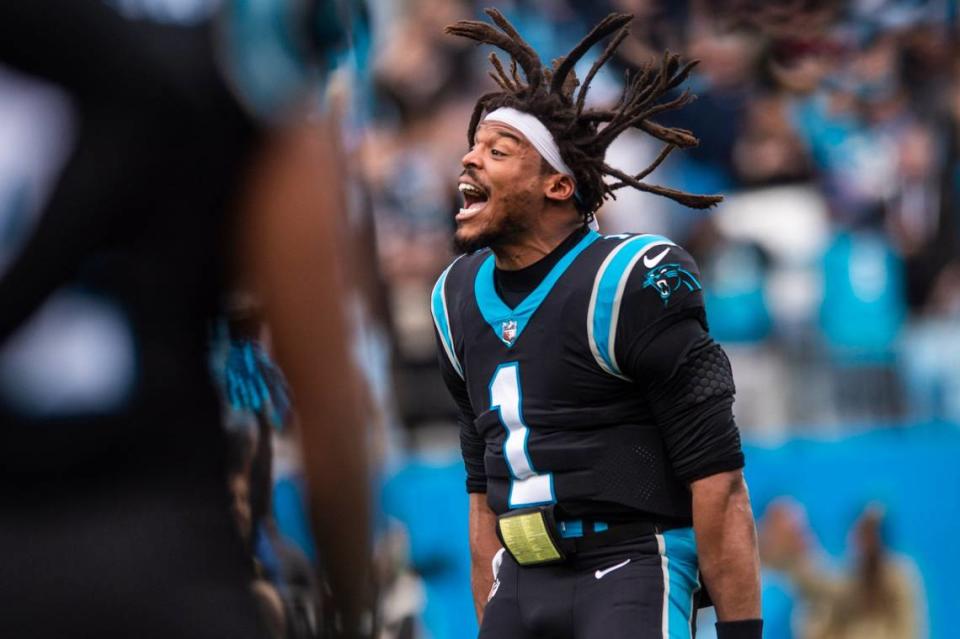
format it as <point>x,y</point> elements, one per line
<point>470,189</point>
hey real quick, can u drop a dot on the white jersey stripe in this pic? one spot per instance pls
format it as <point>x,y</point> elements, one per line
<point>441,319</point>
<point>607,359</point>
<point>665,567</point>
<point>591,309</point>
<point>615,316</point>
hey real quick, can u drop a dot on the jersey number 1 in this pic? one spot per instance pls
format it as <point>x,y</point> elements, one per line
<point>527,488</point>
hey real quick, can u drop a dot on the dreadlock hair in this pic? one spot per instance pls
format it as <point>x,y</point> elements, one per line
<point>583,135</point>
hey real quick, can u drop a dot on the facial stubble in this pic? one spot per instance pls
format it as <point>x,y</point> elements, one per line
<point>509,229</point>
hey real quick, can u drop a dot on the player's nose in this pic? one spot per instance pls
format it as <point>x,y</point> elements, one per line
<point>472,159</point>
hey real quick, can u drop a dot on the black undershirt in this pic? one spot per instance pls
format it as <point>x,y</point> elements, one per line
<point>514,286</point>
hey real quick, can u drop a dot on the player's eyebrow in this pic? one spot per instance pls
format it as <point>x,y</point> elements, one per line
<point>505,134</point>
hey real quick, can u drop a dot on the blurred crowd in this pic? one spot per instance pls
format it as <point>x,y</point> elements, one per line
<point>832,269</point>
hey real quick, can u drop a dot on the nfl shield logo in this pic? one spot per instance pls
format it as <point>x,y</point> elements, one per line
<point>508,331</point>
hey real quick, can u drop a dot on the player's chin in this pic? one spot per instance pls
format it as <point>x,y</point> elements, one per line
<point>467,241</point>
<point>472,234</point>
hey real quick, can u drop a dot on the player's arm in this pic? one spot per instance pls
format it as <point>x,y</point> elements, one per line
<point>294,247</point>
<point>484,543</point>
<point>727,545</point>
<point>686,377</point>
<point>694,407</point>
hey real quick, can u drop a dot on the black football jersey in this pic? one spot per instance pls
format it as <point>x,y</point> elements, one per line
<point>546,389</point>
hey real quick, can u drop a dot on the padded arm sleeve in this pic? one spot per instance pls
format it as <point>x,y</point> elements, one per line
<point>691,394</point>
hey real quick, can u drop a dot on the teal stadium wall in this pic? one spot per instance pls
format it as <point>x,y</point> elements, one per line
<point>914,469</point>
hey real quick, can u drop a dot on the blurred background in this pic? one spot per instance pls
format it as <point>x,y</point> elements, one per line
<point>831,273</point>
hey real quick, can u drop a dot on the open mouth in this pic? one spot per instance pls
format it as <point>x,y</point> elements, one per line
<point>474,199</point>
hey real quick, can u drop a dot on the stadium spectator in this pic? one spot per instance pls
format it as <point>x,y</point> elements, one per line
<point>876,598</point>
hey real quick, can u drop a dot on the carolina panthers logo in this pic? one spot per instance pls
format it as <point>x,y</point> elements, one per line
<point>668,278</point>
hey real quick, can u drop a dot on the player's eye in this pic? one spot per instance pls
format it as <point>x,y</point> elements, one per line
<point>497,153</point>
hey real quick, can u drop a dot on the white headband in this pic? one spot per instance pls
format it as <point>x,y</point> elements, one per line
<point>536,133</point>
<point>539,136</point>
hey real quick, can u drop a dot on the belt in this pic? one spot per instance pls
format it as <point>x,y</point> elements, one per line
<point>587,534</point>
<point>533,536</point>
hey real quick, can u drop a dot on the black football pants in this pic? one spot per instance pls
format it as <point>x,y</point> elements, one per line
<point>642,589</point>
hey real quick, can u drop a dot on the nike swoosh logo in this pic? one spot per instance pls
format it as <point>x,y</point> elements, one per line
<point>650,263</point>
<point>601,573</point>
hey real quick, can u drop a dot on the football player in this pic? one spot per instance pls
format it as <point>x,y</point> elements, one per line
<point>603,461</point>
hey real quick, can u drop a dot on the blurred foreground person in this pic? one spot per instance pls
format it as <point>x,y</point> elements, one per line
<point>115,513</point>
<point>878,596</point>
<point>595,409</point>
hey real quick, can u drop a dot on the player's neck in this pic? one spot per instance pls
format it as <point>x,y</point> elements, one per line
<point>537,242</point>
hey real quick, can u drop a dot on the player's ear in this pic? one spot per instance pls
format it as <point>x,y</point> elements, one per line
<point>559,187</point>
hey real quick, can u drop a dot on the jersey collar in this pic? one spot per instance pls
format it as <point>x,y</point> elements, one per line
<point>508,323</point>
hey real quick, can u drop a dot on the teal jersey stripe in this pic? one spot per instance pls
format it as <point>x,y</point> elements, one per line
<point>441,319</point>
<point>604,309</point>
<point>495,311</point>
<point>678,548</point>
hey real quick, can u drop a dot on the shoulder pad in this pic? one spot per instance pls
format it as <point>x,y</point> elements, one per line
<point>441,318</point>
<point>608,290</point>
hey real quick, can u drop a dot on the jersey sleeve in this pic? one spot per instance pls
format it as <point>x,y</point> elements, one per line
<point>662,289</point>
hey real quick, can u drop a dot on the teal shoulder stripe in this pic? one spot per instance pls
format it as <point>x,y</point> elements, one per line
<point>441,319</point>
<point>604,310</point>
<point>678,557</point>
<point>508,323</point>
